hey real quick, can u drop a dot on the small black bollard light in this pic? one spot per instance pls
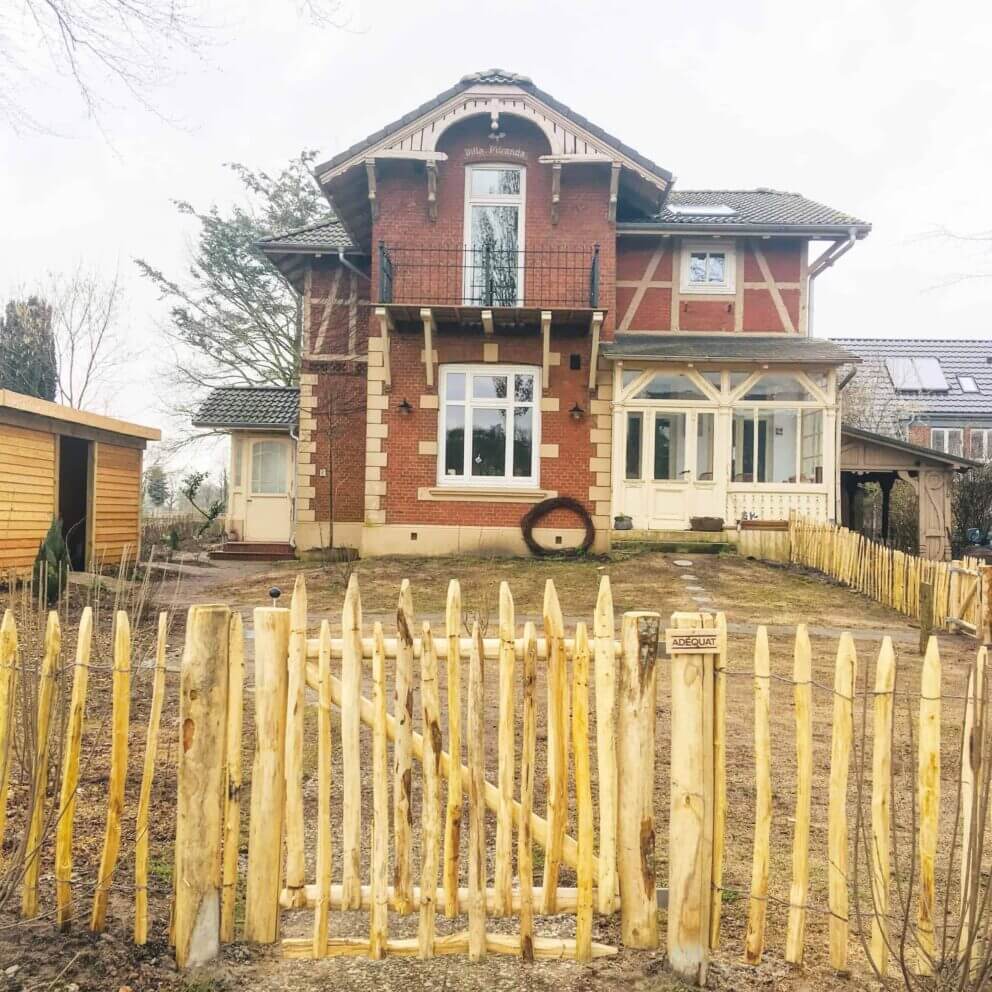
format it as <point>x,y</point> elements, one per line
<point>274,593</point>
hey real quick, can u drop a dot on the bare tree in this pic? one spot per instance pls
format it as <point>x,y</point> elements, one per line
<point>870,402</point>
<point>86,313</point>
<point>107,48</point>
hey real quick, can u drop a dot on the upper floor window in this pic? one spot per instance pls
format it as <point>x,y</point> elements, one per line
<point>708,267</point>
<point>489,425</point>
<point>950,440</point>
<point>980,446</point>
<point>494,232</point>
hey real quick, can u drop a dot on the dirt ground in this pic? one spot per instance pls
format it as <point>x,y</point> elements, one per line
<point>748,592</point>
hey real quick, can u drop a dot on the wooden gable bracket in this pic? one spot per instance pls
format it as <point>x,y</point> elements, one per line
<point>386,328</point>
<point>597,324</point>
<point>555,191</point>
<point>430,332</point>
<point>546,346</point>
<point>614,191</point>
<point>431,168</point>
<point>488,327</point>
<point>370,172</point>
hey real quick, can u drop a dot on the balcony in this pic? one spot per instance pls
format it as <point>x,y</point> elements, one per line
<point>490,286</point>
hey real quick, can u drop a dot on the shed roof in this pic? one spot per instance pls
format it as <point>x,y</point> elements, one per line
<point>69,415</point>
<point>243,407</point>
<point>766,348</point>
<point>926,455</point>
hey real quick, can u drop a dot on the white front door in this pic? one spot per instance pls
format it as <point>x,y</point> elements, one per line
<point>268,505</point>
<point>668,467</point>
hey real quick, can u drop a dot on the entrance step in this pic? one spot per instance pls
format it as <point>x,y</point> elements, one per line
<point>254,551</point>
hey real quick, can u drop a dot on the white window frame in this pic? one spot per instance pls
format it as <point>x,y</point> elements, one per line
<point>986,435</point>
<point>518,200</point>
<point>508,480</point>
<point>728,250</point>
<point>945,434</point>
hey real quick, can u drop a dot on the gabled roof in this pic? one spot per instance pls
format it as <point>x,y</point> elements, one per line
<point>492,77</point>
<point>929,455</point>
<point>757,210</point>
<point>765,348</point>
<point>261,407</point>
<point>956,357</point>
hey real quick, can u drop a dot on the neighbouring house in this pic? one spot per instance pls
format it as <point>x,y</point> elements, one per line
<point>511,305</point>
<point>934,393</point>
<point>261,422</point>
<point>84,468</point>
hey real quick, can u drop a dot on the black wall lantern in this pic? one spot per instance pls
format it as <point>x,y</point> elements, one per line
<point>577,412</point>
<point>405,407</point>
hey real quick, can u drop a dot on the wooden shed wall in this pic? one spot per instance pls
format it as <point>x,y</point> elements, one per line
<point>117,502</point>
<point>28,474</point>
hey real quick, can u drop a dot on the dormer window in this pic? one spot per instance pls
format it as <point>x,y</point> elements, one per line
<point>494,232</point>
<point>708,268</point>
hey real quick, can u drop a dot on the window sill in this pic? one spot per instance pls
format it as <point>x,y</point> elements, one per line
<point>487,494</point>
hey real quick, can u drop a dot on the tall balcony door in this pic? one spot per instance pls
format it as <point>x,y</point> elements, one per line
<point>668,461</point>
<point>494,235</point>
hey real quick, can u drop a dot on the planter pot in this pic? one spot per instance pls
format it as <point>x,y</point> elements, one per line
<point>709,524</point>
<point>623,522</point>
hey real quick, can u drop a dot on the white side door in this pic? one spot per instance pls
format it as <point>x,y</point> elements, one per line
<point>268,504</point>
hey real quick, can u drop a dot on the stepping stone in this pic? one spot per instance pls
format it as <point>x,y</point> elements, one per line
<point>703,599</point>
<point>683,563</point>
<point>689,577</point>
<point>694,589</point>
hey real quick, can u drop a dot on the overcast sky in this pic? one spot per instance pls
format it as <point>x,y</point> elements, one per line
<point>879,109</point>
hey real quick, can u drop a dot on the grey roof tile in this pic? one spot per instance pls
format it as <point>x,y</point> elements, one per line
<point>957,357</point>
<point>328,235</point>
<point>754,206</point>
<point>769,348</point>
<point>249,406</point>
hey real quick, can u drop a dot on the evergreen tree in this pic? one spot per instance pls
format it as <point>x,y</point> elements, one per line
<point>27,349</point>
<point>156,485</point>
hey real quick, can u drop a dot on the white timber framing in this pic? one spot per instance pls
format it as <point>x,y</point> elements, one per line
<point>545,347</point>
<point>430,332</point>
<point>386,328</point>
<point>773,289</point>
<point>595,328</point>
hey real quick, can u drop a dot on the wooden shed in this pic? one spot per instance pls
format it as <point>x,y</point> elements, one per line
<point>81,467</point>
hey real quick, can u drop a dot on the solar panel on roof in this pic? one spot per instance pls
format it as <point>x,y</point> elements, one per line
<point>915,375</point>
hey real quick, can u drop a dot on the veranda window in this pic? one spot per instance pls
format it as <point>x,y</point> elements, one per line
<point>780,446</point>
<point>489,426</point>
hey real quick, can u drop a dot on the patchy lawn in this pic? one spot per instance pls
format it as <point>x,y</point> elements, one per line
<point>748,592</point>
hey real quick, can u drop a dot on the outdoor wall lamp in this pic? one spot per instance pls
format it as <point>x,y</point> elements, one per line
<point>405,407</point>
<point>577,412</point>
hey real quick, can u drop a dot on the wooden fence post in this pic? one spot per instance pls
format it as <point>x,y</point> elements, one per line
<point>453,815</point>
<point>141,843</point>
<point>881,805</point>
<point>803,697</point>
<point>46,698</point>
<point>8,698</point>
<point>583,793</point>
<point>837,838</point>
<point>754,941</point>
<point>503,875</point>
<point>719,779</point>
<point>320,916</point>
<point>973,759</point>
<point>232,788</point>
<point>351,767</point>
<point>379,914</point>
<point>606,746</point>
<point>691,821</point>
<point>295,860</point>
<point>928,779</point>
<point>476,800</point>
<point>926,614</point>
<point>200,805</point>
<point>430,836</point>
<point>635,760</point>
<point>70,772</point>
<point>528,734</point>
<point>268,786</point>
<point>402,750</point>
<point>557,744</point>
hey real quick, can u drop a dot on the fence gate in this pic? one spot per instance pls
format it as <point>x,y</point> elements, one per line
<point>612,850</point>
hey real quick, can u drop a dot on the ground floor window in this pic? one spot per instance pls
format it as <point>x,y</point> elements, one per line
<point>489,425</point>
<point>779,446</point>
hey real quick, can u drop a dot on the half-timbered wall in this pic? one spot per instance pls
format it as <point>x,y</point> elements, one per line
<point>116,503</point>
<point>27,493</point>
<point>769,288</point>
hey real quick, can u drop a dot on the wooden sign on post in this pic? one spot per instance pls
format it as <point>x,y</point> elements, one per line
<point>695,641</point>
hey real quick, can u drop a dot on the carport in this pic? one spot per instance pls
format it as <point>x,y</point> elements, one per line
<point>869,457</point>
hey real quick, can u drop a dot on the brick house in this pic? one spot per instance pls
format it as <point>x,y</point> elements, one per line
<point>512,305</point>
<point>935,393</point>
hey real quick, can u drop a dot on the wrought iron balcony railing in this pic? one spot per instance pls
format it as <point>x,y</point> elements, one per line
<point>487,276</point>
